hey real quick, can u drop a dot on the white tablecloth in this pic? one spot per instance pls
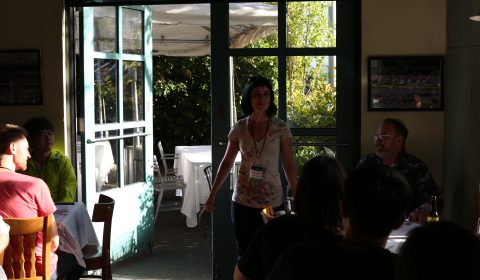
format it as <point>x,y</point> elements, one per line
<point>104,162</point>
<point>398,236</point>
<point>75,229</point>
<point>190,163</point>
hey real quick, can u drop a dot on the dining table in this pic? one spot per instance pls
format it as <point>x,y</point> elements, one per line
<point>398,236</point>
<point>75,229</point>
<point>190,162</point>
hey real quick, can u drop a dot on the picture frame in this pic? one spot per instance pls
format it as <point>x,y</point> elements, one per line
<point>20,77</point>
<point>405,83</point>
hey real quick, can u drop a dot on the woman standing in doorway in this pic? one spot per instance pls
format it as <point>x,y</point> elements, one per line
<point>261,138</point>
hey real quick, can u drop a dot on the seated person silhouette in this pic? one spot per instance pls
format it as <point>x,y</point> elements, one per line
<point>317,207</point>
<point>376,200</point>
<point>439,250</point>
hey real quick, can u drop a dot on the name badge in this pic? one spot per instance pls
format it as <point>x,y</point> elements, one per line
<point>256,173</point>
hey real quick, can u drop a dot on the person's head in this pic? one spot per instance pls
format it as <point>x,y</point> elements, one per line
<point>257,95</point>
<point>319,192</point>
<point>40,134</point>
<point>439,250</point>
<point>390,138</point>
<point>376,200</point>
<point>14,146</point>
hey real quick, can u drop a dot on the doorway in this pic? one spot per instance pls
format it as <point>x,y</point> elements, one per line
<point>335,125</point>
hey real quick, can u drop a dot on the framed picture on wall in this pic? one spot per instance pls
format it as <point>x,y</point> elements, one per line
<point>405,83</point>
<point>20,77</point>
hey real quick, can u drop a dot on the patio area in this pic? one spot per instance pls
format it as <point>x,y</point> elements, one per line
<point>178,252</point>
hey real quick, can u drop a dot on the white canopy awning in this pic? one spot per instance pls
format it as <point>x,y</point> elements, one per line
<point>184,30</point>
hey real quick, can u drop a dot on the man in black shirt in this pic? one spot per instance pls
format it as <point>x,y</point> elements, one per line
<point>389,141</point>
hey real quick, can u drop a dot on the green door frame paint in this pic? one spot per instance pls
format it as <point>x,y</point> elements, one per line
<point>348,56</point>
<point>135,201</point>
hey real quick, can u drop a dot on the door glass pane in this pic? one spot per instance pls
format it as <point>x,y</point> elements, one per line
<point>133,97</point>
<point>246,66</point>
<point>311,24</point>
<point>306,152</point>
<point>132,23</point>
<point>105,29</point>
<point>105,91</point>
<point>106,161</point>
<point>311,92</point>
<point>253,25</point>
<point>134,157</point>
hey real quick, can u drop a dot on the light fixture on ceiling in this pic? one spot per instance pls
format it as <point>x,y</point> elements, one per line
<point>476,16</point>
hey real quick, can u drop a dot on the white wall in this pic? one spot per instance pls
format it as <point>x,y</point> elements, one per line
<point>31,24</point>
<point>407,27</point>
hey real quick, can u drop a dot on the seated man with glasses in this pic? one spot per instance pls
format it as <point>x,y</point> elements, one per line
<point>389,141</point>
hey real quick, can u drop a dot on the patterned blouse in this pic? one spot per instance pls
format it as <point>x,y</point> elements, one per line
<point>269,192</point>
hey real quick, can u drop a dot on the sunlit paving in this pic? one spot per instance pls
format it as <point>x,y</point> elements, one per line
<point>178,252</point>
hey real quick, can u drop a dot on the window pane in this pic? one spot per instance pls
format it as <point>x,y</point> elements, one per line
<point>133,97</point>
<point>134,157</point>
<point>311,91</point>
<point>105,91</point>
<point>105,29</point>
<point>106,161</point>
<point>305,152</point>
<point>311,24</point>
<point>132,26</point>
<point>261,31</point>
<point>243,68</point>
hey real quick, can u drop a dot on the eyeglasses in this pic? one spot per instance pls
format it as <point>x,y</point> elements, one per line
<point>46,133</point>
<point>381,137</point>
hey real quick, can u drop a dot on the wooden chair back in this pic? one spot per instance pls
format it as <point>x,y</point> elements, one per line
<point>19,256</point>
<point>98,257</point>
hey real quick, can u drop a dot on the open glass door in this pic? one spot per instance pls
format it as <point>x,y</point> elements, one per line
<point>117,138</point>
<point>311,57</point>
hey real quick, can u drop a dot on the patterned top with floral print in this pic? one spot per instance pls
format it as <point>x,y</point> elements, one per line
<point>269,192</point>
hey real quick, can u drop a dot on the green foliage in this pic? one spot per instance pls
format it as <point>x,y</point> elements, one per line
<point>181,87</point>
<point>181,98</point>
<point>309,24</point>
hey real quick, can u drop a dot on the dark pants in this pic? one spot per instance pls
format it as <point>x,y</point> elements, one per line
<point>67,266</point>
<point>246,221</point>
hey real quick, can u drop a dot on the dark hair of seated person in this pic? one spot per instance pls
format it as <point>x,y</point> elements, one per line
<point>317,205</point>
<point>319,193</point>
<point>439,250</point>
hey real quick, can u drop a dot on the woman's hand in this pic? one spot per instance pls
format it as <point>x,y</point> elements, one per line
<point>210,204</point>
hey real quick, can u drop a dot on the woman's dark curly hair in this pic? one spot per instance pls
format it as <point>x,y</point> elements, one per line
<point>252,83</point>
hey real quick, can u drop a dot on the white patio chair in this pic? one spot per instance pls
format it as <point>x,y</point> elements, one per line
<point>163,182</point>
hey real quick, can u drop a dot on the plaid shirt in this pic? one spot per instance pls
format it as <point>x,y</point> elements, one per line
<point>415,171</point>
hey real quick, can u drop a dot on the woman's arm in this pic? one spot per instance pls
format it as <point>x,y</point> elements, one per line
<point>289,165</point>
<point>222,173</point>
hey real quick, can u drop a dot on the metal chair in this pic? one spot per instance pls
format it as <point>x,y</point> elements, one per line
<point>98,256</point>
<point>23,232</point>
<point>164,158</point>
<point>163,182</point>
<point>208,175</point>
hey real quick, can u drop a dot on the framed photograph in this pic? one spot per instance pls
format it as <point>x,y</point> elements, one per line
<point>20,77</point>
<point>405,83</point>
